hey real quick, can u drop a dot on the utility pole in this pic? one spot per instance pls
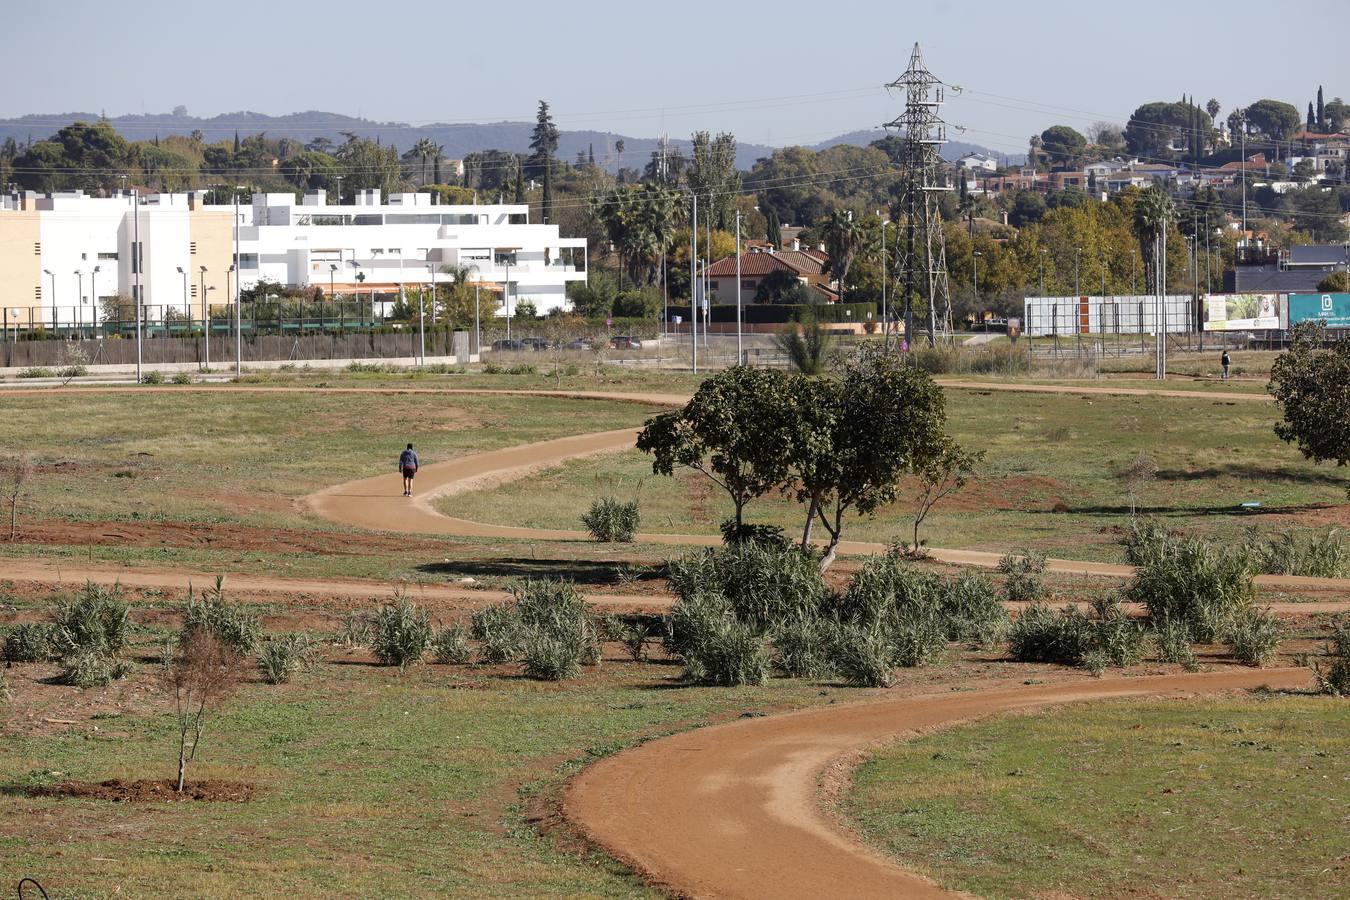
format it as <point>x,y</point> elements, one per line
<point>136,262</point>
<point>693,284</point>
<point>924,178</point>
<point>740,352</point>
<point>885,332</point>
<point>238,308</point>
<point>206,316</point>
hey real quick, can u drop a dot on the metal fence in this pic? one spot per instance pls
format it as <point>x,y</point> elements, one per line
<point>115,351</point>
<point>1106,315</point>
<point>289,316</point>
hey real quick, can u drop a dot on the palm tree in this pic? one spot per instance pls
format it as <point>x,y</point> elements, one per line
<point>1035,150</point>
<point>424,148</point>
<point>843,237</point>
<point>1152,213</point>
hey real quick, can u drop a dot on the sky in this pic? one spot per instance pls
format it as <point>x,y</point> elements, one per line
<point>779,73</point>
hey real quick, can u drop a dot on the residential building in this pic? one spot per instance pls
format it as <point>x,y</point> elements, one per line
<point>1296,270</point>
<point>64,254</point>
<point>810,267</point>
<point>978,162</point>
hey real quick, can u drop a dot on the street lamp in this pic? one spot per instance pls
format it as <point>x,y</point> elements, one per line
<point>50,274</point>
<point>1043,252</point>
<point>238,277</point>
<point>206,316</point>
<point>79,296</point>
<point>506,292</point>
<point>93,292</point>
<point>187,307</point>
<point>332,273</point>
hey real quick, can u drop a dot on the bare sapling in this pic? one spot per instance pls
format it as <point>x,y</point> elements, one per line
<point>202,672</point>
<point>17,474</point>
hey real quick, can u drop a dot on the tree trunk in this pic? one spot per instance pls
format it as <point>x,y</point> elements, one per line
<point>831,550</point>
<point>810,523</point>
<point>182,759</point>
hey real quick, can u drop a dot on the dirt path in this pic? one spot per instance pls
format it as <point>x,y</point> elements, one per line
<point>733,811</point>
<point>377,503</point>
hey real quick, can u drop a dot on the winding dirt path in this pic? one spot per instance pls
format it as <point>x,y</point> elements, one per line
<point>733,811</point>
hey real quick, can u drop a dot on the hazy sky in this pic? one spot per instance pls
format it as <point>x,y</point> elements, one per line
<point>778,72</point>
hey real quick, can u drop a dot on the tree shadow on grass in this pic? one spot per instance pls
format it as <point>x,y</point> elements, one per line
<point>1255,472</point>
<point>1187,512</point>
<point>584,571</point>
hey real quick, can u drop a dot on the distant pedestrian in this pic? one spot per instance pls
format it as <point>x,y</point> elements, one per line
<point>1225,362</point>
<point>408,464</point>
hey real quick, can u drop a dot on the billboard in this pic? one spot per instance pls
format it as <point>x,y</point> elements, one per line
<point>1242,312</point>
<point>1334,309</point>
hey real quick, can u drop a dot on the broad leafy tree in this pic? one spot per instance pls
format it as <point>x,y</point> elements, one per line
<point>1275,119</point>
<point>1311,383</point>
<point>1063,145</point>
<point>736,430</point>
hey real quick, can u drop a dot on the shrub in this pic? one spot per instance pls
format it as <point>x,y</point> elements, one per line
<point>283,656</point>
<point>1253,637</point>
<point>1041,634</point>
<point>522,369</point>
<point>401,633</point>
<point>73,372</point>
<point>729,654</point>
<point>862,656</point>
<point>231,623</point>
<point>96,620</point>
<point>1023,573</point>
<point>1203,585</point>
<point>973,612</point>
<point>550,657</point>
<point>1174,644</point>
<point>611,520</point>
<point>1335,678</point>
<point>182,378</point>
<point>1325,555</point>
<point>5,694</point>
<point>1144,541</point>
<point>883,586</point>
<point>693,619</point>
<point>764,586</point>
<point>28,643</point>
<point>451,646</point>
<point>634,632</point>
<point>355,630</point>
<point>497,629</point>
<point>557,609</point>
<point>746,533</point>
<point>86,668</point>
<point>152,378</point>
<point>1118,639</point>
<point>35,372</point>
<point>916,640</point>
<point>801,648</point>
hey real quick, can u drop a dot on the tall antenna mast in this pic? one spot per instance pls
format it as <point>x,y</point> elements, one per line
<point>923,181</point>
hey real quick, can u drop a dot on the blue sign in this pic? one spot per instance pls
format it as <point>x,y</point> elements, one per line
<point>1334,309</point>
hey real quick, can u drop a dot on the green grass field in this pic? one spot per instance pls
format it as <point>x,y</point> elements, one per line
<point>1049,479</point>
<point>1199,798</point>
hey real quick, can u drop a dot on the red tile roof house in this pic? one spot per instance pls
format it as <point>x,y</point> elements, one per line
<point>810,267</point>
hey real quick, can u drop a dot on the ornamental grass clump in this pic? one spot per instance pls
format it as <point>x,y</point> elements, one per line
<point>1106,637</point>
<point>801,647</point>
<point>1204,585</point>
<point>497,630</point>
<point>612,520</point>
<point>1253,637</point>
<point>284,655</point>
<point>1022,573</point>
<point>1332,666</point>
<point>1313,554</point>
<point>765,585</point>
<point>89,634</point>
<point>451,646</point>
<point>400,633</point>
<point>231,623</point>
<point>863,656</point>
<point>29,642</point>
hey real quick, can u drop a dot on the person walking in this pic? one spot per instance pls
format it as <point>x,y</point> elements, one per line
<point>408,464</point>
<point>1225,362</point>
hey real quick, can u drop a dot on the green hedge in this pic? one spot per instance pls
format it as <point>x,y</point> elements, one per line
<point>775,313</point>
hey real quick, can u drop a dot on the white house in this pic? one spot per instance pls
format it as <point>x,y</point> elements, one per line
<point>977,162</point>
<point>64,254</point>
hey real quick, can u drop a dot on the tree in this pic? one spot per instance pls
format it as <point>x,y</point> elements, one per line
<point>544,143</point>
<point>639,221</point>
<point>1275,119</point>
<point>772,230</point>
<point>1063,145</point>
<point>1311,124</point>
<point>201,674</point>
<point>1138,475</point>
<point>1106,134</point>
<point>713,176</point>
<point>843,237</point>
<point>15,476</point>
<point>942,475</point>
<point>1034,151</point>
<point>1311,384</point>
<point>1212,107</point>
<point>782,286</point>
<point>1337,114</point>
<point>735,430</point>
<point>1321,111</point>
<point>1154,127</point>
<point>1335,283</point>
<point>1027,207</point>
<point>854,438</point>
<point>368,165</point>
<point>424,149</point>
<point>807,348</point>
<point>1153,212</point>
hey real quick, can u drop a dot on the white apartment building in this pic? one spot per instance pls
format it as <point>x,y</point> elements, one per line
<point>61,254</point>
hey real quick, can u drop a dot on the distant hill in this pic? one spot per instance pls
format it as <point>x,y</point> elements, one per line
<point>459,140</point>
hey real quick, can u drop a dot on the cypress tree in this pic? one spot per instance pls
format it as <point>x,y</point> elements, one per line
<point>236,140</point>
<point>1321,111</point>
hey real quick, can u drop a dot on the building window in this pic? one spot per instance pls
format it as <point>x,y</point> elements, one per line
<point>747,284</point>
<point>714,285</point>
<point>248,260</point>
<point>107,256</point>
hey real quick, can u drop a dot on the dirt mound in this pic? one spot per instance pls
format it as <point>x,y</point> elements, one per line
<point>150,791</point>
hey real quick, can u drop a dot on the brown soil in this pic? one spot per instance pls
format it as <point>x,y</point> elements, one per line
<point>231,537</point>
<point>733,810</point>
<point>150,791</point>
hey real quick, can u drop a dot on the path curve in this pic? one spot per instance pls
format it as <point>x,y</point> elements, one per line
<point>732,810</point>
<point>377,503</point>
